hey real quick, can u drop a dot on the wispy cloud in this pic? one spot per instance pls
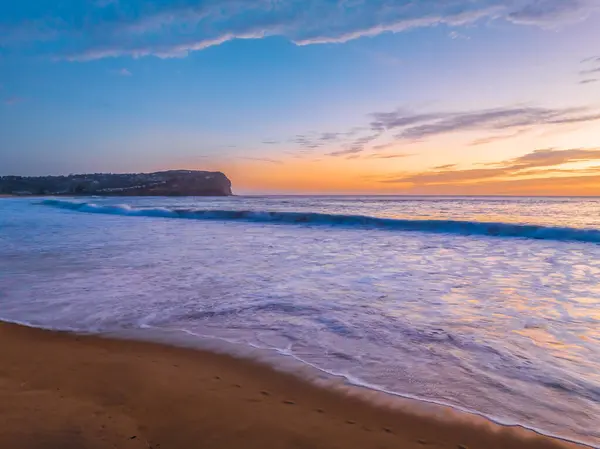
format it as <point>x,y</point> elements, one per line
<point>306,141</point>
<point>121,72</point>
<point>356,146</point>
<point>346,152</point>
<point>591,66</point>
<point>591,59</point>
<point>416,126</point>
<point>590,71</point>
<point>387,156</point>
<point>261,159</point>
<point>385,146</point>
<point>550,13</point>
<point>538,162</point>
<point>455,35</point>
<point>406,127</point>
<point>173,29</point>
<point>329,137</point>
<point>346,139</point>
<point>497,138</point>
<point>551,157</point>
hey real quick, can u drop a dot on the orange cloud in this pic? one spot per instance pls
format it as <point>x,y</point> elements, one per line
<point>523,166</point>
<point>541,172</point>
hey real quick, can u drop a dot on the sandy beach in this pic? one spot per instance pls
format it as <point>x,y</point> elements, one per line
<point>65,391</point>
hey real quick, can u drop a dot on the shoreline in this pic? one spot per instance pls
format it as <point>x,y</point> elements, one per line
<point>89,391</point>
<point>340,383</point>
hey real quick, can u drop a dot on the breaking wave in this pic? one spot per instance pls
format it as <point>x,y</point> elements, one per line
<point>313,218</point>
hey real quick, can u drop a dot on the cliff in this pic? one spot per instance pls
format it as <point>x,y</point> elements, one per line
<point>166,183</point>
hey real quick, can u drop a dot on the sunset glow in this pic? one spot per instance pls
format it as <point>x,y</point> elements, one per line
<point>423,104</point>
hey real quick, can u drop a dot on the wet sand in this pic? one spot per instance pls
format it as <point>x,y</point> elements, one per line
<point>62,391</point>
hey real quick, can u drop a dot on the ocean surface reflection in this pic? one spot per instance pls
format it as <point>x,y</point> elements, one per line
<point>508,327</point>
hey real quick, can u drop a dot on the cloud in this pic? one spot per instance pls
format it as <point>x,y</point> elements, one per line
<point>346,140</point>
<point>166,29</point>
<point>339,136</point>
<point>419,126</point>
<point>447,176</point>
<point>591,59</point>
<point>121,72</point>
<point>407,127</point>
<point>163,51</point>
<point>586,184</point>
<point>261,159</point>
<point>554,171</point>
<point>498,138</point>
<point>11,101</point>
<point>591,67</point>
<point>590,71</point>
<point>398,119</point>
<point>306,141</point>
<point>270,142</point>
<point>387,156</point>
<point>379,16</point>
<point>455,35</point>
<point>550,13</point>
<point>552,157</point>
<point>329,137</point>
<point>357,145</point>
<point>384,146</point>
<point>345,152</point>
<point>534,163</point>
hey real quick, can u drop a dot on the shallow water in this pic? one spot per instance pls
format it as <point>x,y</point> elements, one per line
<point>502,324</point>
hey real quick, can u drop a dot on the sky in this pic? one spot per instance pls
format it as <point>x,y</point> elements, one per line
<point>476,97</point>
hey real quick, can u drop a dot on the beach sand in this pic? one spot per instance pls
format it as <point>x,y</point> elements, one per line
<point>62,391</point>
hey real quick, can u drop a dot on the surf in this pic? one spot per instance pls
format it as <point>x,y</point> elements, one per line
<point>458,227</point>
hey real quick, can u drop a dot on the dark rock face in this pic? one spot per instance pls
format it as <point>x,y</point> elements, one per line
<point>167,183</point>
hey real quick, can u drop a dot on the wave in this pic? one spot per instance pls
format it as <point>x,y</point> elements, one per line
<point>314,218</point>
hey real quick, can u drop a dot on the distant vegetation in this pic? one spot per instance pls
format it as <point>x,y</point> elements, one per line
<point>166,183</point>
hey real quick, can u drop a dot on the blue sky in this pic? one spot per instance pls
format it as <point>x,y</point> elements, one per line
<point>332,96</point>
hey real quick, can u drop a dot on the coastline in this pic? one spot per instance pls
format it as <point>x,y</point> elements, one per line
<point>66,390</point>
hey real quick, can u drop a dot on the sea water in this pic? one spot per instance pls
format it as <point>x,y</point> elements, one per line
<point>486,304</point>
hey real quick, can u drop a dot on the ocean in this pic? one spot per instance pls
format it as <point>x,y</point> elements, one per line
<point>489,305</point>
